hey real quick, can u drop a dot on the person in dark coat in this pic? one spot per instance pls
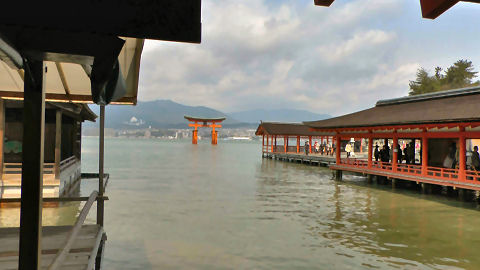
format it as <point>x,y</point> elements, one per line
<point>307,148</point>
<point>399,154</point>
<point>475,159</point>
<point>385,154</point>
<point>376,153</point>
<point>405,154</point>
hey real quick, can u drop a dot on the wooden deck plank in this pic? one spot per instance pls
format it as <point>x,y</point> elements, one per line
<point>79,256</point>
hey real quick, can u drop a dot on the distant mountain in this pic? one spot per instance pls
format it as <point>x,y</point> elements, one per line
<point>281,115</point>
<point>169,114</point>
<point>158,114</point>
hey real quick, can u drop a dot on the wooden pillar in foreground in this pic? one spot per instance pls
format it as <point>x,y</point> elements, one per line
<point>58,142</point>
<point>32,167</point>
<point>370,151</point>
<point>424,153</point>
<point>101,156</point>
<point>2,134</point>
<point>462,156</point>
<point>287,144</point>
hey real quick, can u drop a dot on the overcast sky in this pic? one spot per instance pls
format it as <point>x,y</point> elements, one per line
<point>291,54</point>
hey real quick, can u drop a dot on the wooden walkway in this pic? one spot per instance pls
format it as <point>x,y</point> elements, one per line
<point>81,256</point>
<point>312,159</point>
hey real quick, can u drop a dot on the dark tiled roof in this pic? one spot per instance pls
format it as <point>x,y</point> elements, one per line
<point>462,105</point>
<point>283,129</point>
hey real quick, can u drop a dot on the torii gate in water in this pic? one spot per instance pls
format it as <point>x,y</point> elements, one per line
<point>204,122</point>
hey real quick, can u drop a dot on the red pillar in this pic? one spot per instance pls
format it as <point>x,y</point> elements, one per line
<point>194,136</point>
<point>394,153</point>
<point>370,151</point>
<point>286,144</point>
<point>424,153</point>
<point>298,144</point>
<point>462,157</point>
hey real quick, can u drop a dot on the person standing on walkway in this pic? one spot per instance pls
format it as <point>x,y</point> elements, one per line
<point>475,159</point>
<point>348,149</point>
<point>376,153</point>
<point>307,146</point>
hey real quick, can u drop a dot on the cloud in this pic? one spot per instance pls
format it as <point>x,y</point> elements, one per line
<point>288,53</point>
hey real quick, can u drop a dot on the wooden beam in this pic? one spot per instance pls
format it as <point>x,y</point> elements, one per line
<point>61,73</point>
<point>32,167</point>
<point>431,9</point>
<point>64,98</point>
<point>58,143</point>
<point>324,3</point>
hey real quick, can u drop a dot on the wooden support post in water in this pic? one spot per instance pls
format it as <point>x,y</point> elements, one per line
<point>2,134</point>
<point>101,156</point>
<point>32,167</point>
<point>58,142</point>
<point>338,175</point>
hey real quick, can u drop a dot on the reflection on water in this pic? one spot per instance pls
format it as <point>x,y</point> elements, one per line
<point>53,215</point>
<point>174,205</point>
<point>368,226</point>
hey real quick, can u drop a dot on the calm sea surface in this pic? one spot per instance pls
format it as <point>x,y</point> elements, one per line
<point>178,206</point>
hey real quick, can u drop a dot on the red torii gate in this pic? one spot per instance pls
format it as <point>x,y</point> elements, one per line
<point>431,9</point>
<point>204,122</point>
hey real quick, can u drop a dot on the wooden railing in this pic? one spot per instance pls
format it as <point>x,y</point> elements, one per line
<point>386,166</point>
<point>443,173</point>
<point>67,162</point>
<point>446,174</point>
<point>409,169</point>
<point>16,168</point>
<point>72,235</point>
<point>355,162</point>
<point>472,175</point>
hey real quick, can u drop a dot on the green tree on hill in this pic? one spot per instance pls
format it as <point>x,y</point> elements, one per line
<point>460,74</point>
